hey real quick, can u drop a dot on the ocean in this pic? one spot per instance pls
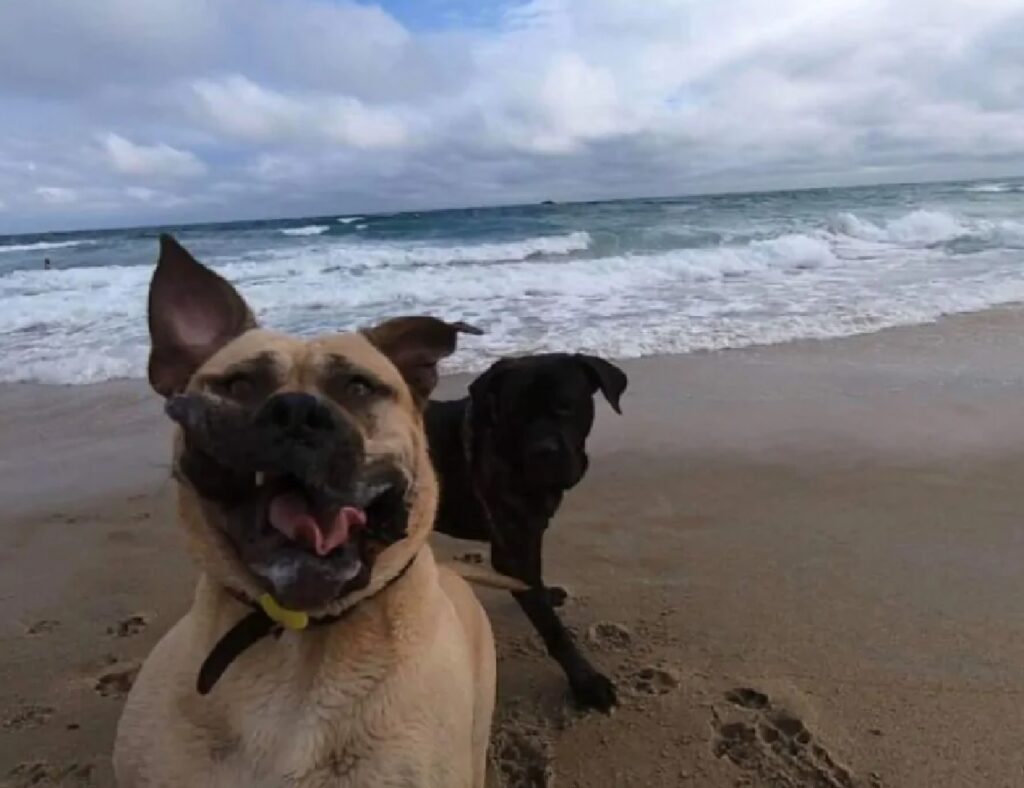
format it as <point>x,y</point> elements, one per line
<point>622,279</point>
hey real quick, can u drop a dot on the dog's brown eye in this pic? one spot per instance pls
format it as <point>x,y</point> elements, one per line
<point>238,387</point>
<point>358,387</point>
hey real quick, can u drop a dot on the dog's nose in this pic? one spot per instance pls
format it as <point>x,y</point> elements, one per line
<point>297,412</point>
<point>545,449</point>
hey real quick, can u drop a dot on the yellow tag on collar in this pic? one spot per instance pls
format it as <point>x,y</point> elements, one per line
<point>290,619</point>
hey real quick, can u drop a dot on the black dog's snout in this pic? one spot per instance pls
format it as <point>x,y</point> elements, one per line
<point>297,413</point>
<point>544,449</point>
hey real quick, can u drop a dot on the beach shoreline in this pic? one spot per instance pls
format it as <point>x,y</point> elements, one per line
<point>813,543</point>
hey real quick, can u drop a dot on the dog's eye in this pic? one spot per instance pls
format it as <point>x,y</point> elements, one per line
<point>562,408</point>
<point>237,387</point>
<point>358,387</point>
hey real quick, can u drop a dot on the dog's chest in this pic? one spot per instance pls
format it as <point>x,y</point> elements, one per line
<point>339,764</point>
<point>333,740</point>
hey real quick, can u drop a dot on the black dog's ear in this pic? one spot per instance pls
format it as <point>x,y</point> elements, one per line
<point>607,377</point>
<point>483,392</point>
<point>193,313</point>
<point>415,345</point>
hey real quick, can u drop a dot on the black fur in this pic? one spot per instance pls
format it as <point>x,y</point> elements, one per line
<point>527,420</point>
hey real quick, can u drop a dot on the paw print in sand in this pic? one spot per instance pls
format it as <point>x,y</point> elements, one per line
<point>28,717</point>
<point>127,627</point>
<point>655,681</point>
<point>116,683</point>
<point>522,757</point>
<point>36,773</point>
<point>775,744</point>
<point>42,627</point>
<point>609,635</point>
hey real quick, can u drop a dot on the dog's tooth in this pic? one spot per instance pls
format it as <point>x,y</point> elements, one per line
<point>261,477</point>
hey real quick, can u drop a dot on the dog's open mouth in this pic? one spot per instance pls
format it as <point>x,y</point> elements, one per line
<point>291,514</point>
<point>310,546</point>
<point>322,522</point>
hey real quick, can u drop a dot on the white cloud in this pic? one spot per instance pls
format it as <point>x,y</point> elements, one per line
<point>296,105</point>
<point>154,197</point>
<point>239,107</point>
<point>567,102</point>
<point>142,193</point>
<point>57,195</point>
<point>159,160</point>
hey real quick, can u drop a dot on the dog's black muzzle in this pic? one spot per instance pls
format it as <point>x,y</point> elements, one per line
<point>293,434</point>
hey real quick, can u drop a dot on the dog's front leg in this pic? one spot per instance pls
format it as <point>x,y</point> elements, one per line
<point>591,688</point>
<point>522,558</point>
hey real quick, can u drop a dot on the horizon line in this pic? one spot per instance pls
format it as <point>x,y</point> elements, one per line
<point>500,206</point>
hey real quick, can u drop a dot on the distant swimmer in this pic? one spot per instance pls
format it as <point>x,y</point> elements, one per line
<point>46,264</point>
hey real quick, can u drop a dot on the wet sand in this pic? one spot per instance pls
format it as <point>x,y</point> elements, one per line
<point>801,564</point>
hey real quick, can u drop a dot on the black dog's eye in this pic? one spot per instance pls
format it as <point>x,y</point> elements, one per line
<point>562,408</point>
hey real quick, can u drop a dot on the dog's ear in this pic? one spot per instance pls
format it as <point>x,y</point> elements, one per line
<point>483,392</point>
<point>605,376</point>
<point>415,345</point>
<point>193,313</point>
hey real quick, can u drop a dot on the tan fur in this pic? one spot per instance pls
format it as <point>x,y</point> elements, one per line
<point>400,692</point>
<point>479,575</point>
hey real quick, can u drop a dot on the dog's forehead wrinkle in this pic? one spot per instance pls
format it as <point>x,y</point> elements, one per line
<point>358,353</point>
<point>287,351</point>
<point>266,360</point>
<point>256,346</point>
<point>335,363</point>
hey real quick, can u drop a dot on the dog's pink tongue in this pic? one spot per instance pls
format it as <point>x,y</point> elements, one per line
<point>290,514</point>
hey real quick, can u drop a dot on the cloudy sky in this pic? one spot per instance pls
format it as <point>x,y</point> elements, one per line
<point>119,112</point>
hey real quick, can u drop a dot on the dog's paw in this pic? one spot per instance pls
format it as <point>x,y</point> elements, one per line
<point>595,691</point>
<point>556,595</point>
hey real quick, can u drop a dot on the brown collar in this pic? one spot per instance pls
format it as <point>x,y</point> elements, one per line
<point>257,625</point>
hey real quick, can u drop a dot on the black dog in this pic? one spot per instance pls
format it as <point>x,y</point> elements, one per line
<point>505,455</point>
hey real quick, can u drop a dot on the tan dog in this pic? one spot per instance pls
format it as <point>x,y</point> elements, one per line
<point>324,646</point>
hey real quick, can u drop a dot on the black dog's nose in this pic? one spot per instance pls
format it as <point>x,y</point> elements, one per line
<point>297,412</point>
<point>544,449</point>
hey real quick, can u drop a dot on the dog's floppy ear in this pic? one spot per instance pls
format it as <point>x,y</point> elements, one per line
<point>193,313</point>
<point>607,377</point>
<point>415,345</point>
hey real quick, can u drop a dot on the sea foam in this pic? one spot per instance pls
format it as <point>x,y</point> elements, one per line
<point>310,229</point>
<point>42,246</point>
<point>753,282</point>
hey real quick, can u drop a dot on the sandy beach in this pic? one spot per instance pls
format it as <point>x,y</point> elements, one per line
<point>801,564</point>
